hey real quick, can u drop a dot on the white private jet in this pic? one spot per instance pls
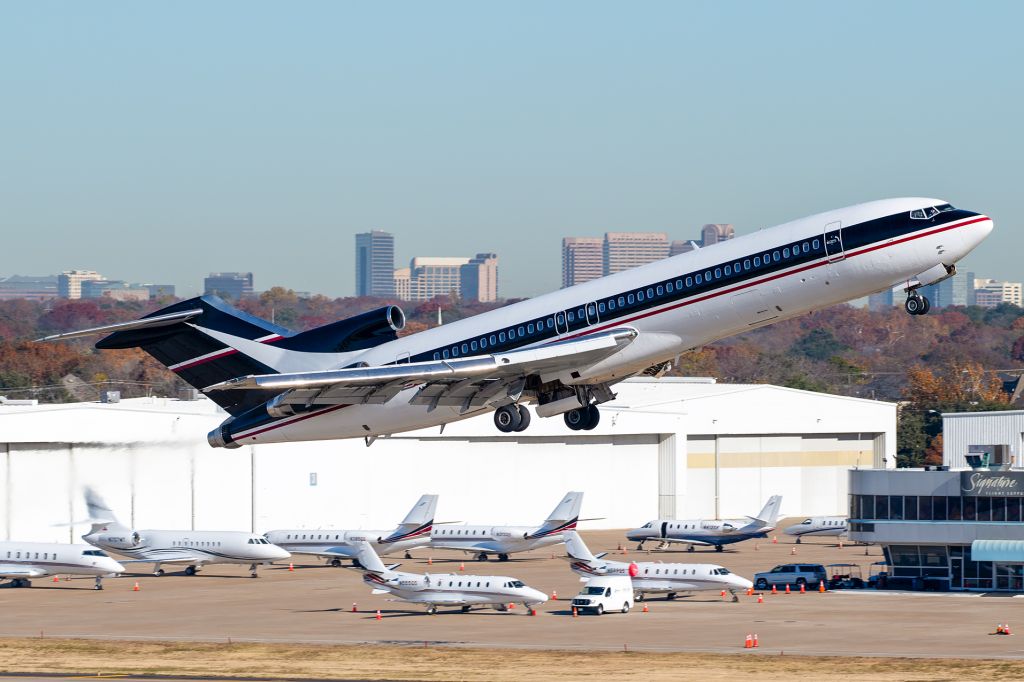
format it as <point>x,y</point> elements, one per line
<point>22,561</point>
<point>717,532</point>
<point>447,589</point>
<point>196,548</point>
<point>504,540</point>
<point>829,526</point>
<point>335,545</point>
<point>653,576</point>
<point>562,351</point>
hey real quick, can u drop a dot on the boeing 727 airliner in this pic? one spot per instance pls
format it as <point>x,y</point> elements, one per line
<point>563,351</point>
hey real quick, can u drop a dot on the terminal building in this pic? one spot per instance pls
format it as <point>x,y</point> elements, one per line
<point>665,448</point>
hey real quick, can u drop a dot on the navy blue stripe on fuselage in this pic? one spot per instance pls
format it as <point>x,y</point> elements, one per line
<point>726,274</point>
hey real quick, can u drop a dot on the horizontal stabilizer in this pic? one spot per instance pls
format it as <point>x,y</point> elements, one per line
<point>144,323</point>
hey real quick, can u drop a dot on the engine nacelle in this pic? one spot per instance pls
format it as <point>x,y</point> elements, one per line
<point>124,540</point>
<point>354,333</point>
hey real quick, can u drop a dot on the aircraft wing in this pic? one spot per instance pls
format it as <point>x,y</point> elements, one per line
<point>469,382</point>
<point>685,541</point>
<point>175,560</point>
<point>18,571</point>
<point>491,548</point>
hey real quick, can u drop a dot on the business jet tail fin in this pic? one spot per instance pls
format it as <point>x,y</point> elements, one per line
<point>418,522</point>
<point>769,514</point>
<point>101,516</point>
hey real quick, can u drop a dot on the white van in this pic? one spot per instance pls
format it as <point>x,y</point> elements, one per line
<point>605,593</point>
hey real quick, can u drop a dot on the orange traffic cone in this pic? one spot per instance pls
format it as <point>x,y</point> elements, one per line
<point>840,544</point>
<point>136,588</point>
<point>787,588</point>
<point>56,579</point>
<point>574,614</point>
<point>775,539</point>
<point>802,590</point>
<point>378,614</point>
<point>462,565</point>
<point>291,567</point>
<point>430,561</point>
<point>354,610</point>
<point>750,591</point>
<point>755,641</point>
<point>821,586</point>
<point>533,612</point>
<point>554,595</point>
<point>723,594</point>
<point>748,643</point>
<point>645,609</point>
<point>999,629</point>
<point>760,599</point>
<point>1006,629</point>
<point>774,590</point>
<point>511,606</point>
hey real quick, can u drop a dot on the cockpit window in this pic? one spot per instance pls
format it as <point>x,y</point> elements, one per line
<point>517,583</point>
<point>94,552</point>
<point>805,522</point>
<point>648,524</point>
<point>945,207</point>
<point>930,212</point>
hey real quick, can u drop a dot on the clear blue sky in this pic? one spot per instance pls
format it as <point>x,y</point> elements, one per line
<point>160,141</point>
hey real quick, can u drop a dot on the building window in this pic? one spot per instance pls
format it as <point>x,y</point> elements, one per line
<point>955,508</point>
<point>896,507</point>
<point>924,508</point>
<point>910,507</point>
<point>939,508</point>
<point>881,506</point>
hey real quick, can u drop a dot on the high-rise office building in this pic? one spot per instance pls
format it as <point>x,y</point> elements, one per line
<point>625,250</point>
<point>479,278</point>
<point>990,292</point>
<point>582,260</point>
<point>430,277</point>
<point>681,246</point>
<point>403,284</point>
<point>881,301</point>
<point>956,290</point>
<point>69,282</point>
<point>114,289</point>
<point>712,233</point>
<point>375,264</point>
<point>231,286</point>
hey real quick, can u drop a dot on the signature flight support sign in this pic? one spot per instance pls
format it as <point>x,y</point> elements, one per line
<point>992,483</point>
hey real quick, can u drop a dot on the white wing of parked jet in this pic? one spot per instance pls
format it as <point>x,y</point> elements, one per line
<point>16,571</point>
<point>466,382</point>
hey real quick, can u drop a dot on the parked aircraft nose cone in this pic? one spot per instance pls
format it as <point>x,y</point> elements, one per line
<point>535,596</point>
<point>277,554</point>
<point>741,582</point>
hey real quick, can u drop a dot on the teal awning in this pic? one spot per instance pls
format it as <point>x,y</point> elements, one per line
<point>1008,551</point>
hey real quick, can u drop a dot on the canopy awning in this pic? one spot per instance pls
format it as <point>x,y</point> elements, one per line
<point>1006,551</point>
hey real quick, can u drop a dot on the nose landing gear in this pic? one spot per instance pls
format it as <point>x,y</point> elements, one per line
<point>917,304</point>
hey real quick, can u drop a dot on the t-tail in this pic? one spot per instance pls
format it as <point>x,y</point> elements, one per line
<point>101,516</point>
<point>374,571</point>
<point>563,518</point>
<point>206,341</point>
<point>582,559</point>
<point>418,522</point>
<point>768,516</point>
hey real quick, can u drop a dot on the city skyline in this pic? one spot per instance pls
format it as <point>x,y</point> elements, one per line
<point>141,158</point>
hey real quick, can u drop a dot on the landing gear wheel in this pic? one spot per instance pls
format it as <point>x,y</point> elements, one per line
<point>640,547</point>
<point>719,548</point>
<point>916,304</point>
<point>99,583</point>
<point>190,570</point>
<point>798,541</point>
<point>408,555</point>
<point>639,597</point>
<point>524,418</point>
<point>503,557</point>
<point>431,610</point>
<point>577,419</point>
<point>507,418</point>
<point>482,556</point>
<point>670,596</point>
<point>465,609</point>
<point>336,563</point>
<point>158,572</point>
<point>593,417</point>
<point>690,549</point>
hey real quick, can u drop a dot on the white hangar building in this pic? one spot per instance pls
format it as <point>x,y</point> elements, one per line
<point>666,448</point>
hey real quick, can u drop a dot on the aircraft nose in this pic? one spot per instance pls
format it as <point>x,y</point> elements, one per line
<point>536,596</point>
<point>636,534</point>
<point>977,232</point>
<point>742,582</point>
<point>115,567</point>
<point>277,553</point>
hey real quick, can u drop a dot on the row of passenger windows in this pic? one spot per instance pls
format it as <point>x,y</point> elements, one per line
<point>481,583</point>
<point>313,537</point>
<point>193,543</point>
<point>593,312</point>
<point>28,555</point>
<point>452,531</point>
<point>685,571</point>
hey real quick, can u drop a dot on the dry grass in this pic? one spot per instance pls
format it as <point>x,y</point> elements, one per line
<point>380,662</point>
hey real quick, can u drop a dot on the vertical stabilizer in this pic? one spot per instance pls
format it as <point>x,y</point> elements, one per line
<point>418,522</point>
<point>769,515</point>
<point>563,517</point>
<point>101,516</point>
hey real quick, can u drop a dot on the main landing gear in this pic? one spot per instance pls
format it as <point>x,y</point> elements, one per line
<point>583,418</point>
<point>917,304</point>
<point>509,418</point>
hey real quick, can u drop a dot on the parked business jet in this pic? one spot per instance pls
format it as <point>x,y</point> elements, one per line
<point>447,589</point>
<point>710,532</point>
<point>563,351</point>
<point>335,545</point>
<point>196,548</point>
<point>22,561</point>
<point>504,540</point>
<point>653,576</point>
<point>831,526</point>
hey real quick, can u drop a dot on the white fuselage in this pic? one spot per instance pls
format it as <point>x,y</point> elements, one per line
<point>341,543</point>
<point>656,577</point>
<point>699,531</point>
<point>869,248</point>
<point>493,539</point>
<point>829,526</point>
<point>24,560</point>
<point>453,589</point>
<point>196,547</point>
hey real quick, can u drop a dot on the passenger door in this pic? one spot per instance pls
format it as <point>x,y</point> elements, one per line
<point>833,239</point>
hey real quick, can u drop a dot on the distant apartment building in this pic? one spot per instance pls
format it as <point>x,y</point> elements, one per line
<point>114,289</point>
<point>403,284</point>
<point>431,276</point>
<point>681,246</point>
<point>479,278</point>
<point>375,264</point>
<point>882,301</point>
<point>69,282</point>
<point>989,293</point>
<point>626,250</point>
<point>231,286</point>
<point>712,233</point>
<point>28,287</point>
<point>582,260</point>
